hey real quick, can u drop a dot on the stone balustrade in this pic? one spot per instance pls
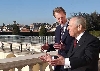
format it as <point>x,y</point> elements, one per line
<point>35,64</point>
<point>9,64</point>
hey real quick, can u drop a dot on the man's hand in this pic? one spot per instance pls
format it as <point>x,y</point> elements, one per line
<point>59,46</point>
<point>45,46</point>
<point>43,58</point>
<point>49,58</point>
<point>59,61</point>
<point>46,58</point>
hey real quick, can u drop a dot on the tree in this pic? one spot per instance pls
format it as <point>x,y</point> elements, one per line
<point>93,20</point>
<point>27,26</point>
<point>86,16</point>
<point>16,30</point>
<point>3,24</point>
<point>43,31</point>
<point>10,27</point>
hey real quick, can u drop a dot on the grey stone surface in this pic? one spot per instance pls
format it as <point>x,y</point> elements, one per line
<point>21,61</point>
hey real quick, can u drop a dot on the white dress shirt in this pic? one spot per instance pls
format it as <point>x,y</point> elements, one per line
<point>65,26</point>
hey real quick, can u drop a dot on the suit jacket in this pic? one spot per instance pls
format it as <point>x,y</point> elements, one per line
<point>66,40</point>
<point>84,57</point>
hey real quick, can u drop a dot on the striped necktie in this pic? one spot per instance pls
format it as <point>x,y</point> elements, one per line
<point>62,32</point>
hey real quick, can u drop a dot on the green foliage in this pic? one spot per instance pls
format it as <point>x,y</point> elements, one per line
<point>3,24</point>
<point>16,30</point>
<point>27,26</point>
<point>43,31</point>
<point>10,27</point>
<point>93,20</point>
<point>95,33</point>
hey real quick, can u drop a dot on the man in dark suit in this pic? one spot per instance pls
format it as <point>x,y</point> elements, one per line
<point>61,36</point>
<point>84,55</point>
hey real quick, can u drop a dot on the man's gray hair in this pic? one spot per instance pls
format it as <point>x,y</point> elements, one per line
<point>80,21</point>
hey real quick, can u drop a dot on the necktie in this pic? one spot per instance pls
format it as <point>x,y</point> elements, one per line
<point>75,42</point>
<point>62,31</point>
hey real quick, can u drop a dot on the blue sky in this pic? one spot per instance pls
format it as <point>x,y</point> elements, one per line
<point>30,11</point>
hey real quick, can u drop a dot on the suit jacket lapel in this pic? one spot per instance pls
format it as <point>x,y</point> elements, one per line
<point>81,42</point>
<point>58,35</point>
<point>70,50</point>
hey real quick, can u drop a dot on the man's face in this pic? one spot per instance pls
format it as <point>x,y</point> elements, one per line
<point>73,28</point>
<point>60,17</point>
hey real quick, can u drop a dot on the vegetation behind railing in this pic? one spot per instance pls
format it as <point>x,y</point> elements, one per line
<point>95,33</point>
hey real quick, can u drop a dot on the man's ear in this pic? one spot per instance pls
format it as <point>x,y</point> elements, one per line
<point>79,27</point>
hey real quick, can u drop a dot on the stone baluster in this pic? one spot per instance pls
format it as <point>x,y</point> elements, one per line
<point>10,56</point>
<point>30,67</point>
<point>36,67</point>
<point>44,65</point>
<point>19,68</point>
<point>41,66</point>
<point>13,69</point>
<point>50,67</point>
<point>6,70</point>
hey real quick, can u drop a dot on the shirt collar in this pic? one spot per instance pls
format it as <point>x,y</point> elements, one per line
<point>78,37</point>
<point>65,24</point>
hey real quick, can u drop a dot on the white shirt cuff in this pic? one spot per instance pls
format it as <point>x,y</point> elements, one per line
<point>67,63</point>
<point>53,66</point>
<point>52,57</point>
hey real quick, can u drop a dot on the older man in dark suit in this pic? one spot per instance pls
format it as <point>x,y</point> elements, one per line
<point>83,55</point>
